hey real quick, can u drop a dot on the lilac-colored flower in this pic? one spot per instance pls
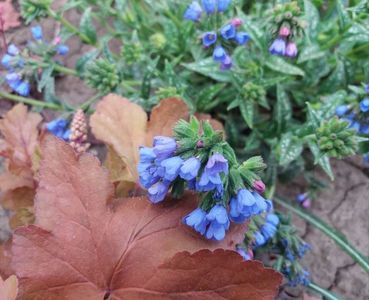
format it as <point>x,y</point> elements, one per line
<point>193,12</point>
<point>228,32</point>
<point>37,32</point>
<point>242,38</point>
<point>278,47</point>
<point>164,147</point>
<point>355,125</point>
<point>341,110</point>
<point>284,31</point>
<point>364,105</point>
<point>149,174</point>
<point>301,197</point>
<point>226,64</point>
<point>219,223</point>
<point>158,191</point>
<point>217,164</point>
<point>190,168</point>
<point>12,77</point>
<point>171,167</point>
<point>291,50</point>
<point>223,5</point>
<point>209,6</point>
<point>62,49</point>
<point>367,88</point>
<point>219,54</point>
<point>209,38</point>
<point>12,50</point>
<point>197,220</point>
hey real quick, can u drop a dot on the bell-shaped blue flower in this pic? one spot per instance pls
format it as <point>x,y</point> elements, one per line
<point>243,206</point>
<point>218,223</point>
<point>364,105</point>
<point>259,239</point>
<point>147,155</point>
<point>245,255</point>
<point>164,147</point>
<point>364,129</point>
<point>217,164</point>
<point>278,47</point>
<point>209,38</point>
<point>23,88</point>
<point>208,182</point>
<point>228,32</point>
<point>58,127</point>
<point>197,220</point>
<point>260,202</point>
<point>62,49</point>
<point>12,50</point>
<point>12,77</point>
<point>193,12</point>
<point>37,32</point>
<point>158,191</point>
<point>66,135</point>
<point>6,61</point>
<point>190,169</point>
<point>226,64</point>
<point>242,38</point>
<point>272,219</point>
<point>219,54</point>
<point>209,6</point>
<point>367,88</point>
<point>223,5</point>
<point>171,167</point>
<point>149,174</point>
<point>341,110</point>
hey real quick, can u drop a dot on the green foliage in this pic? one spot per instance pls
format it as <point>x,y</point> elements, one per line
<point>102,75</point>
<point>34,9</point>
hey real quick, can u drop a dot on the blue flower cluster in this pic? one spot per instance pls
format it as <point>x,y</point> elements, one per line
<point>283,45</point>
<point>228,32</point>
<point>358,121</point>
<point>14,63</point>
<point>366,160</point>
<point>59,128</point>
<point>296,277</point>
<point>267,231</point>
<point>60,49</point>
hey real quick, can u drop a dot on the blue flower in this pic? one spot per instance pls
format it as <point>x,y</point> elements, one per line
<point>218,223</point>
<point>272,219</point>
<point>269,204</point>
<point>301,197</point>
<point>268,230</point>
<point>12,77</point>
<point>364,129</point>
<point>58,127</point>
<point>242,38</point>
<point>217,164</point>
<point>208,182</point>
<point>364,105</point>
<point>243,206</point>
<point>278,47</point>
<point>23,88</point>
<point>209,38</point>
<point>219,54</point>
<point>12,50</point>
<point>367,88</point>
<point>149,174</point>
<point>6,61</point>
<point>171,167</point>
<point>355,125</point>
<point>190,168</point>
<point>259,239</point>
<point>291,49</point>
<point>245,255</point>
<point>303,248</point>
<point>341,110</point>
<point>209,6</point>
<point>147,155</point>
<point>164,147</point>
<point>366,160</point>
<point>158,191</point>
<point>193,12</point>
<point>197,220</point>
<point>37,32</point>
<point>66,135</point>
<point>260,202</point>
<point>228,31</point>
<point>226,64</point>
<point>223,5</point>
<point>62,49</point>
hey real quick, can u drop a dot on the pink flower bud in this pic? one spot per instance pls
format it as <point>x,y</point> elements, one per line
<point>200,144</point>
<point>57,40</point>
<point>284,31</point>
<point>236,22</point>
<point>251,253</point>
<point>259,186</point>
<point>306,203</point>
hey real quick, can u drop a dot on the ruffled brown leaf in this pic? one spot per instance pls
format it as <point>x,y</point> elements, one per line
<point>9,14</point>
<point>86,245</point>
<point>9,288</point>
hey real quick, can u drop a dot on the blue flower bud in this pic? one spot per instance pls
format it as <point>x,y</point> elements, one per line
<point>12,77</point>
<point>6,61</point>
<point>367,88</point>
<point>12,50</point>
<point>341,110</point>
<point>37,32</point>
<point>259,239</point>
<point>219,54</point>
<point>217,164</point>
<point>164,147</point>
<point>209,38</point>
<point>223,5</point>
<point>66,135</point>
<point>242,38</point>
<point>278,47</point>
<point>158,191</point>
<point>209,6</point>
<point>228,32</point>
<point>62,49</point>
<point>190,169</point>
<point>364,105</point>
<point>23,88</point>
<point>193,12</point>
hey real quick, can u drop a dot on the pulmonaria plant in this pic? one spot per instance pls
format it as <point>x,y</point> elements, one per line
<point>221,38</point>
<point>200,160</point>
<point>286,26</point>
<point>22,65</point>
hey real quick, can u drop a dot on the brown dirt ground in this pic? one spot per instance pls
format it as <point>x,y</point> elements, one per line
<point>344,205</point>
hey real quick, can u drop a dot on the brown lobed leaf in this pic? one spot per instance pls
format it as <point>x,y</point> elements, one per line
<point>5,260</point>
<point>85,245</point>
<point>9,288</point>
<point>9,14</point>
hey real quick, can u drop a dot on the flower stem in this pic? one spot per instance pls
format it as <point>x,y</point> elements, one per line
<point>326,294</point>
<point>65,70</point>
<point>30,101</point>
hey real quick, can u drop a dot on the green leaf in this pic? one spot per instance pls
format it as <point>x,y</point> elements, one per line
<point>282,110</point>
<point>205,99</point>
<point>87,27</point>
<point>209,68</point>
<point>290,149</point>
<point>247,111</point>
<point>310,52</point>
<point>84,59</point>
<point>332,233</point>
<point>45,77</point>
<point>280,65</point>
<point>312,16</point>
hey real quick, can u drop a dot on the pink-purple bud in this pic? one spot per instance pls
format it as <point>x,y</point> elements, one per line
<point>259,186</point>
<point>236,22</point>
<point>200,144</point>
<point>306,203</point>
<point>291,50</point>
<point>57,40</point>
<point>284,31</point>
